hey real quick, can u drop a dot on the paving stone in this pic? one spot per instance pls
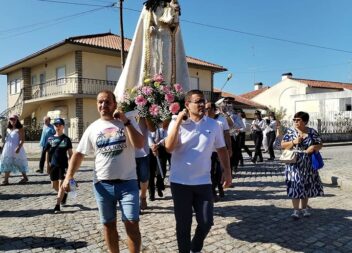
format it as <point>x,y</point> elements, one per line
<point>254,217</point>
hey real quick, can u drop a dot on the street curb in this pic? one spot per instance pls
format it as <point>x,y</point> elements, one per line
<point>331,179</point>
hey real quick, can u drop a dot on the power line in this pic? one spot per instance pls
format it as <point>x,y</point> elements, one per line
<point>73,3</point>
<point>112,5</point>
<point>268,37</point>
<point>58,20</point>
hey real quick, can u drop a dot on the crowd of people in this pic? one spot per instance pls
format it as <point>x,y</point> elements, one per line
<point>202,146</point>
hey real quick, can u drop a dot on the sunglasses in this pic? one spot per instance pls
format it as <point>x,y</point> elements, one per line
<point>296,120</point>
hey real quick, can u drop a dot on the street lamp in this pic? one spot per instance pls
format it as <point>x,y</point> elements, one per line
<point>229,76</point>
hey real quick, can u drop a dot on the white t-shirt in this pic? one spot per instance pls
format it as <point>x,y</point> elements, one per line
<point>191,159</point>
<point>223,120</point>
<point>114,153</point>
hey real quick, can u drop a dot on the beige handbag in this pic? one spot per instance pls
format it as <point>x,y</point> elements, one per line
<point>288,156</point>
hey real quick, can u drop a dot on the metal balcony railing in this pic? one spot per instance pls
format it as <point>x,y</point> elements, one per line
<point>70,85</point>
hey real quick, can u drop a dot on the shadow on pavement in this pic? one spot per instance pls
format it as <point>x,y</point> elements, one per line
<point>32,242</point>
<point>20,196</point>
<point>327,230</point>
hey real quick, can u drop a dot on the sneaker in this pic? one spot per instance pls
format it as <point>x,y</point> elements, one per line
<point>39,171</point>
<point>306,213</point>
<point>57,209</point>
<point>295,214</point>
<point>64,199</point>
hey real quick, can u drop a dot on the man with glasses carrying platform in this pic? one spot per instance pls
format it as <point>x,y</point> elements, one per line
<point>191,144</point>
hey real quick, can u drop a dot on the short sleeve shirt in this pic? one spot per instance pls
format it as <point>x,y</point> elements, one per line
<point>114,153</point>
<point>60,145</point>
<point>191,159</point>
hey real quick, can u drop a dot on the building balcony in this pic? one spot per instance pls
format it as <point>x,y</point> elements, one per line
<point>68,86</point>
<point>73,86</point>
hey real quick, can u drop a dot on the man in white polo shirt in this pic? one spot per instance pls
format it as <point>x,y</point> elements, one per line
<point>191,144</point>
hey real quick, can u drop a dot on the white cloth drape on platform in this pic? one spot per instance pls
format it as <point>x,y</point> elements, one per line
<point>152,52</point>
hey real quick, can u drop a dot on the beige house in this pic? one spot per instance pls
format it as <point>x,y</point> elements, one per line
<point>63,80</point>
<point>321,99</point>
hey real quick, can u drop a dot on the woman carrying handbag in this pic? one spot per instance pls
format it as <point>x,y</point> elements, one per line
<point>303,182</point>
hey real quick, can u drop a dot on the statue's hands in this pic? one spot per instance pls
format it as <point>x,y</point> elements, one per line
<point>152,29</point>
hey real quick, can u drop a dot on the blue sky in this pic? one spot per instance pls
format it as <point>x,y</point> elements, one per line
<point>231,33</point>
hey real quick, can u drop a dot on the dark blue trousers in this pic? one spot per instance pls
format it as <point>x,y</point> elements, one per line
<point>186,199</point>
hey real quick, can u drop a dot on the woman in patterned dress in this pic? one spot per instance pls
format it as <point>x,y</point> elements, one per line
<point>302,181</point>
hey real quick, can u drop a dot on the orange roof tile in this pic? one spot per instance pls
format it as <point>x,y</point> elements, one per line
<point>254,93</point>
<point>112,41</point>
<point>324,84</point>
<point>241,99</point>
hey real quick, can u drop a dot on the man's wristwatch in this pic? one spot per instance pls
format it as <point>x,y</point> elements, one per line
<point>127,123</point>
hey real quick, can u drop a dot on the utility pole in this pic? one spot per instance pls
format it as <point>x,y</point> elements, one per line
<point>122,36</point>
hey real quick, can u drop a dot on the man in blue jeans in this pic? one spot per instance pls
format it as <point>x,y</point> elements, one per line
<point>191,144</point>
<point>115,180</point>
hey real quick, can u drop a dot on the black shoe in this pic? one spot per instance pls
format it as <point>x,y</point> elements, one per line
<point>151,197</point>
<point>271,159</point>
<point>160,193</point>
<point>57,209</point>
<point>254,160</point>
<point>260,160</point>
<point>39,171</point>
<point>221,192</point>
<point>241,163</point>
<point>64,199</point>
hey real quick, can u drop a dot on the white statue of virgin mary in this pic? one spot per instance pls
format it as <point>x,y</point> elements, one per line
<point>157,48</point>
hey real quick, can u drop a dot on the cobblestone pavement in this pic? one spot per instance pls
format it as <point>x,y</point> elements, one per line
<point>254,216</point>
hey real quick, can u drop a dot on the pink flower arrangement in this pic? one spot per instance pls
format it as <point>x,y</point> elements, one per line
<point>154,110</point>
<point>158,78</point>
<point>174,108</point>
<point>169,97</point>
<point>155,99</point>
<point>178,87</point>
<point>140,100</point>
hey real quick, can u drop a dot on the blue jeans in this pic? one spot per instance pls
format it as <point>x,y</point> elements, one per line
<point>109,192</point>
<point>200,198</point>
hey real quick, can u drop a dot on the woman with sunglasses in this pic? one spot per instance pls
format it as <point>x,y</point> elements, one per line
<point>13,157</point>
<point>302,181</point>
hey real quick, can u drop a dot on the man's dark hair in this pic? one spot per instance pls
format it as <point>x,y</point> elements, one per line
<point>302,115</point>
<point>213,106</point>
<point>192,92</point>
<point>108,92</point>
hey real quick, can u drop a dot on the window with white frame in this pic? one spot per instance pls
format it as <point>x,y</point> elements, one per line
<point>193,83</point>
<point>113,73</point>
<point>13,87</point>
<point>18,86</point>
<point>60,75</point>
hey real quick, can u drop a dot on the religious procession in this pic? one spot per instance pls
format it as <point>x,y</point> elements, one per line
<point>157,138</point>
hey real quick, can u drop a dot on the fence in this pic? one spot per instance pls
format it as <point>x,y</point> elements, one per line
<point>342,126</point>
